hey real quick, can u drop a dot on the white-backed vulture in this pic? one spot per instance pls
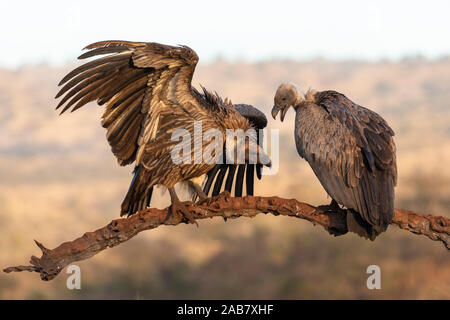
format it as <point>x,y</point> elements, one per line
<point>350,149</point>
<point>147,93</point>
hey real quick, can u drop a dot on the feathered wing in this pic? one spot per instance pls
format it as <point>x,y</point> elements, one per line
<point>351,151</point>
<point>146,89</point>
<point>137,82</point>
<point>227,172</point>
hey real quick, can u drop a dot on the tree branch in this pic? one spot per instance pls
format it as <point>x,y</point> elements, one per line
<point>334,220</point>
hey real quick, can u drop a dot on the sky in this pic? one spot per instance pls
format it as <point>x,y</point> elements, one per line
<point>54,32</point>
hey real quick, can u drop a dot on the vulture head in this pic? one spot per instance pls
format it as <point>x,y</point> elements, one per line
<point>287,95</point>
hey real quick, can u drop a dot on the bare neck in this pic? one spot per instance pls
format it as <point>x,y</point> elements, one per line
<point>310,96</point>
<point>299,101</point>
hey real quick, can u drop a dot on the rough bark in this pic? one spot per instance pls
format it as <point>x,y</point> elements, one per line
<point>50,264</point>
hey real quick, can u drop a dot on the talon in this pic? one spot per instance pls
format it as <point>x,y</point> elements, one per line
<point>180,207</point>
<point>177,205</point>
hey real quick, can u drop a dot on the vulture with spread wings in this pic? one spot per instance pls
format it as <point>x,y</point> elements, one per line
<point>147,93</point>
<point>350,149</point>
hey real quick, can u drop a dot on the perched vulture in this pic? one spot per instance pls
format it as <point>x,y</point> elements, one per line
<point>350,149</point>
<point>147,92</point>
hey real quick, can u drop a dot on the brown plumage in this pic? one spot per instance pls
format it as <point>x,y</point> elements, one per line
<point>212,183</point>
<point>350,149</point>
<point>227,172</point>
<point>147,93</point>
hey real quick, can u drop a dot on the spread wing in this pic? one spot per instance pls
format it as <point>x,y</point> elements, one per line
<point>144,86</point>
<point>352,152</point>
<point>244,171</point>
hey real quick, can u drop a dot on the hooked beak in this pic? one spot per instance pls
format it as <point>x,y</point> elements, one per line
<point>276,108</point>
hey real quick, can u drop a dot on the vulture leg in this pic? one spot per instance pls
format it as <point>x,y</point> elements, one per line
<point>198,190</point>
<point>177,205</point>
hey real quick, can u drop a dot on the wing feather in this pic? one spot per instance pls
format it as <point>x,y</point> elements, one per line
<point>230,178</point>
<point>219,180</point>
<point>239,180</point>
<point>95,72</point>
<point>249,179</point>
<point>103,50</point>
<point>121,57</point>
<point>138,83</point>
<point>210,177</point>
<point>259,122</point>
<point>111,114</point>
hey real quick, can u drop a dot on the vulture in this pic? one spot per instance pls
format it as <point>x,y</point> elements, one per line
<point>147,93</point>
<point>351,151</point>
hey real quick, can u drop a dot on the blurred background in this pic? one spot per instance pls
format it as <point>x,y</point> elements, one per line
<point>58,178</point>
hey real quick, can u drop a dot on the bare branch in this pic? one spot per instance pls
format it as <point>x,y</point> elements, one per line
<point>334,220</point>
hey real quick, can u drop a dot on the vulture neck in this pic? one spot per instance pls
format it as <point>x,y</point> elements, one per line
<point>299,101</point>
<point>298,105</point>
<point>303,98</point>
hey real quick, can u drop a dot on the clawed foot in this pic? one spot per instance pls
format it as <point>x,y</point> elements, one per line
<point>177,205</point>
<point>180,207</point>
<point>332,207</point>
<point>223,195</point>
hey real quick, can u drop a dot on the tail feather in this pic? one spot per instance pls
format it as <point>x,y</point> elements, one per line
<point>356,224</point>
<point>149,197</point>
<point>383,210</point>
<point>139,193</point>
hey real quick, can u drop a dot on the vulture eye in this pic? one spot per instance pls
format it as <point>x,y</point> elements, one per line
<point>283,99</point>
